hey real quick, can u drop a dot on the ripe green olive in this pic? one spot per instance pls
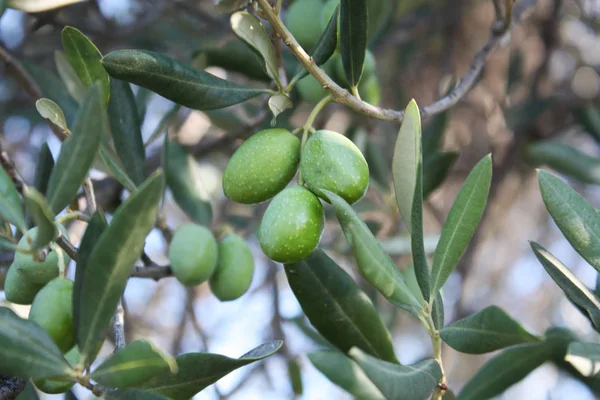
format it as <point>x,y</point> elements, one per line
<point>304,22</point>
<point>331,161</point>
<point>233,275</point>
<point>193,254</point>
<point>292,225</point>
<point>310,89</point>
<point>39,272</point>
<point>369,68</point>
<point>262,166</point>
<point>51,386</point>
<point>17,288</point>
<point>52,309</point>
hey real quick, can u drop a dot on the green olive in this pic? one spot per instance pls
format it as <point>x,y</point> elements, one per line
<point>331,161</point>
<point>193,254</point>
<point>292,225</point>
<point>51,386</point>
<point>310,89</point>
<point>52,309</point>
<point>369,68</point>
<point>370,89</point>
<point>233,275</point>
<point>304,22</point>
<point>17,288</point>
<point>39,272</point>
<point>262,166</point>
<point>328,10</point>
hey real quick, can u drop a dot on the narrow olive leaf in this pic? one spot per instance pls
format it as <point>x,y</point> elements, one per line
<point>325,47</point>
<point>417,239</point>
<point>574,216</point>
<point>337,308</point>
<point>575,290</point>
<point>353,37</point>
<point>462,221</point>
<point>436,168</point>
<point>77,152</point>
<point>230,6</point>
<point>176,81</point>
<point>234,56</point>
<point>415,382</point>
<point>43,169</point>
<point>51,111</point>
<point>199,370</point>
<point>405,161</point>
<point>96,226</point>
<point>42,216</point>
<point>295,375</point>
<point>136,363</point>
<point>180,175</point>
<point>309,331</point>
<point>35,6</point>
<point>345,373</point>
<point>133,394</point>
<point>411,281</point>
<point>125,129</point>
<point>437,311</point>
<point>589,118</point>
<point>279,103</point>
<point>27,351</point>
<point>112,258</point>
<point>69,76</point>
<point>488,330</point>
<point>85,58</point>
<point>504,370</point>
<point>3,5</point>
<point>564,159</point>
<point>109,158</point>
<point>585,357</point>
<point>433,133</point>
<point>249,29</point>
<point>11,209</point>
<point>29,393</point>
<point>374,264</point>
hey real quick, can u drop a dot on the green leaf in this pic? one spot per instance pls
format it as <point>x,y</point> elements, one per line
<point>199,370</point>
<point>574,216</point>
<point>69,76</point>
<point>462,221</point>
<point>176,81</point>
<point>337,308</point>
<point>109,158</point>
<point>11,209</point>
<point>504,370</point>
<point>125,129</point>
<point>27,351</point>
<point>564,159</point>
<point>575,290</point>
<point>42,216</point>
<point>585,357</point>
<point>345,373</point>
<point>589,118</point>
<point>406,160</point>
<point>85,58</point>
<point>525,114</point>
<point>234,56</point>
<point>180,172</point>
<point>35,6</point>
<point>353,37</point>
<point>373,263</point>
<point>488,330</point>
<point>249,29</point>
<point>3,5</point>
<point>132,394</point>
<point>229,6</point>
<point>51,111</point>
<point>415,382</point>
<point>325,47</point>
<point>437,311</point>
<point>112,258</point>
<point>433,133</point>
<point>92,233</point>
<point>77,152</point>
<point>436,168</point>
<point>278,104</point>
<point>136,363</point>
<point>29,393</point>
<point>295,374</point>
<point>43,169</point>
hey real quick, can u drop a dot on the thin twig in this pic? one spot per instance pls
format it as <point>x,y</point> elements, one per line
<point>67,246</point>
<point>342,95</point>
<point>9,166</point>
<point>90,196</point>
<point>119,326</point>
<point>154,271</point>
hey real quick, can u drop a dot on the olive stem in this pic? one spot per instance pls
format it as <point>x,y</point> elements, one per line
<point>72,216</point>
<point>308,125</point>
<point>354,90</point>
<point>436,341</point>
<point>342,96</point>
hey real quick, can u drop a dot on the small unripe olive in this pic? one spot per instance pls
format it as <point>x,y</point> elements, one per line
<point>262,166</point>
<point>233,275</point>
<point>193,254</point>
<point>369,68</point>
<point>331,161</point>
<point>52,309</point>
<point>52,386</point>
<point>303,20</point>
<point>39,272</point>
<point>17,288</point>
<point>292,225</point>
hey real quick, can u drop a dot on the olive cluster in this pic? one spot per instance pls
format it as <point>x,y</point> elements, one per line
<point>31,280</point>
<point>196,257</point>
<point>263,166</point>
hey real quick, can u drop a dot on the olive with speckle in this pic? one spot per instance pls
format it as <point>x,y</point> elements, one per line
<point>262,166</point>
<point>332,162</point>
<point>193,254</point>
<point>292,225</point>
<point>233,275</point>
